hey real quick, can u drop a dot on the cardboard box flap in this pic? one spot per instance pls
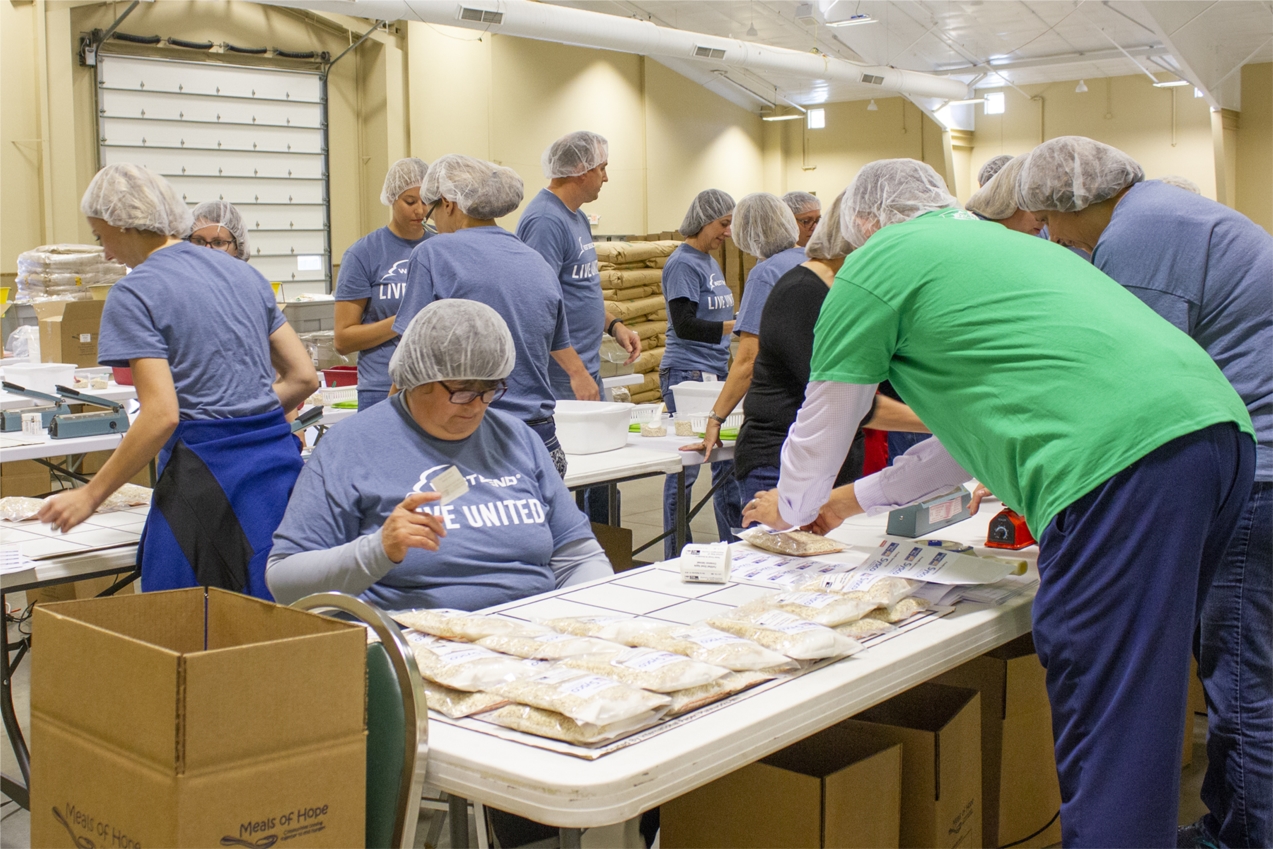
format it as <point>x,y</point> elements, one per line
<point>826,752</point>
<point>171,620</point>
<point>239,620</point>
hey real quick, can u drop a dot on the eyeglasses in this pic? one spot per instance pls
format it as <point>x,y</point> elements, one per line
<point>468,396</point>
<point>428,213</point>
<point>219,244</point>
<point>808,220</point>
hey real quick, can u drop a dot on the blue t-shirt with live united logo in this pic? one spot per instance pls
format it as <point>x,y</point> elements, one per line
<point>692,274</point>
<point>500,535</point>
<point>564,240</point>
<point>374,269</point>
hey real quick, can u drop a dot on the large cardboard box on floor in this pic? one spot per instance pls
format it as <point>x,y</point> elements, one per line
<point>1021,796</point>
<point>196,718</point>
<point>939,728</point>
<point>68,331</point>
<point>23,477</point>
<point>834,789</point>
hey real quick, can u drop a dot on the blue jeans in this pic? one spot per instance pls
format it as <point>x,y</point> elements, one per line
<point>1235,662</point>
<point>726,502</point>
<point>899,443</point>
<point>367,397</point>
<point>759,479</point>
<point>1124,574</point>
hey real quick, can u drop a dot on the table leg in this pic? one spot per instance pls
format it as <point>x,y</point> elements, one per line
<point>458,816</point>
<point>612,492</point>
<point>682,512</point>
<point>15,790</point>
<point>571,838</point>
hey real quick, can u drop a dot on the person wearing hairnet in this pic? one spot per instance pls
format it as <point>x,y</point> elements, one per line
<point>1209,271</point>
<point>700,318</point>
<point>359,525</point>
<point>1120,441</point>
<point>807,210</point>
<point>218,225</point>
<point>204,339</point>
<point>996,201</point>
<point>777,356</point>
<point>555,226</point>
<point>373,275</point>
<point>474,258</point>
<point>992,167</point>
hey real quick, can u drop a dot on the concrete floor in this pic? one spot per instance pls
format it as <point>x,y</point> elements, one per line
<point>642,514</point>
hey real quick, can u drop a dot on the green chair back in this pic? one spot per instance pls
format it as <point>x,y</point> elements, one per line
<point>386,723</point>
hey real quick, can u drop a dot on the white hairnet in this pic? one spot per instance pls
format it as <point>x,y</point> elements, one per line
<point>1181,183</point>
<point>890,191</point>
<point>453,339</point>
<point>575,154</point>
<point>997,199</point>
<point>991,168</point>
<point>1070,173</point>
<point>404,174</point>
<point>481,189</point>
<point>801,202</point>
<point>827,241</point>
<point>763,225</point>
<point>131,197</point>
<point>707,206</point>
<point>223,214</point>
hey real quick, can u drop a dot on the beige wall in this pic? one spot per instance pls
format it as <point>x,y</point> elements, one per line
<point>1126,112</point>
<point>1255,146</point>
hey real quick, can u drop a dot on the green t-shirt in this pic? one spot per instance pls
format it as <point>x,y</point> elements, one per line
<point>1040,375</point>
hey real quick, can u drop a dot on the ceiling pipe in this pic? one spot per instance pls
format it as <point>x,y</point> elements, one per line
<point>546,22</point>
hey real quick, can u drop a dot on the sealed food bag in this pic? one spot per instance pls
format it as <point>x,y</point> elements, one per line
<point>582,696</point>
<point>828,609</point>
<point>462,625</point>
<point>903,610</point>
<point>557,726</point>
<point>459,703</point>
<point>860,629</point>
<point>549,645</point>
<point>797,638</point>
<point>649,669</point>
<point>715,647</point>
<point>463,666</point>
<point>684,701</point>
<point>883,590</point>
<point>791,543</point>
<point>19,508</point>
<point>618,629</point>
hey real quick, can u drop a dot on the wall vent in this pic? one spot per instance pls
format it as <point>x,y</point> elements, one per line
<point>701,52</point>
<point>481,16</point>
<point>871,79</point>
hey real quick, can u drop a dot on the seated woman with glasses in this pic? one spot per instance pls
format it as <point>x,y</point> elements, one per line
<point>432,499</point>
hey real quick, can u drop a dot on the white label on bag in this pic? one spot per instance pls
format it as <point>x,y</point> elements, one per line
<point>814,600</point>
<point>587,685</point>
<point>707,637</point>
<point>646,659</point>
<point>849,582</point>
<point>450,483</point>
<point>553,638</point>
<point>776,620</point>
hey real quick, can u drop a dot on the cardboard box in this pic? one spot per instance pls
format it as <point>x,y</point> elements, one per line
<point>1021,795</point>
<point>939,728</point>
<point>24,477</point>
<point>68,331</point>
<point>834,789</point>
<point>196,718</point>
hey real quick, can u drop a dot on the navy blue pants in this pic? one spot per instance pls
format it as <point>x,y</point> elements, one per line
<point>368,397</point>
<point>1124,573</point>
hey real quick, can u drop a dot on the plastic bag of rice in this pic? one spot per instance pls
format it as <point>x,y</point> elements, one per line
<point>797,638</point>
<point>462,666</point>
<point>582,696</point>
<point>649,669</point>
<point>883,590</point>
<point>549,645</point>
<point>618,629</point>
<point>712,646</point>
<point>828,609</point>
<point>860,629</point>
<point>462,625</point>
<point>693,698</point>
<point>459,703</point>
<point>547,723</point>
<point>903,610</point>
<point>791,543</point>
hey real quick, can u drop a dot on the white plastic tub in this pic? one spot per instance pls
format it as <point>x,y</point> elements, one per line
<point>42,377</point>
<point>695,397</point>
<point>591,427</point>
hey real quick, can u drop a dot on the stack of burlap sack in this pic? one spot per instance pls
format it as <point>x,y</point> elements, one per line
<point>66,272</point>
<point>632,285</point>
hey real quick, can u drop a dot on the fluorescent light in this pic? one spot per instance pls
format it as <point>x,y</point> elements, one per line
<point>852,20</point>
<point>1172,84</point>
<point>781,117</point>
<point>817,119</point>
<point>969,100</point>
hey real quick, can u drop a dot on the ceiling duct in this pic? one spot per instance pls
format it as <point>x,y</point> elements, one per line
<point>545,22</point>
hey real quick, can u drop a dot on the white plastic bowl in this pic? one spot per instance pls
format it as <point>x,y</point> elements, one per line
<point>42,377</point>
<point>695,397</point>
<point>591,427</point>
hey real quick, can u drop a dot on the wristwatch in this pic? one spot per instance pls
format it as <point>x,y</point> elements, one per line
<point>712,415</point>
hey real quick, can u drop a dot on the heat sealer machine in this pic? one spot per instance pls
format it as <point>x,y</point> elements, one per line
<point>112,419</point>
<point>11,420</point>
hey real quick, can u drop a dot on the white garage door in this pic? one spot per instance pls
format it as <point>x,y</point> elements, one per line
<point>253,136</point>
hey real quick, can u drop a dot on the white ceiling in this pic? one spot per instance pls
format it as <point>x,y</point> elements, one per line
<point>986,42</point>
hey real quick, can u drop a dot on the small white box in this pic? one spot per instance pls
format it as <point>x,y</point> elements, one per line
<point>32,424</point>
<point>705,564</point>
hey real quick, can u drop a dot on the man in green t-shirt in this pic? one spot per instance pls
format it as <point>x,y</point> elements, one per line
<point>1115,435</point>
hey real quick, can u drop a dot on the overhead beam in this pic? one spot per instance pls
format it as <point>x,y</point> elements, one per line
<point>1186,70</point>
<point>1058,59</point>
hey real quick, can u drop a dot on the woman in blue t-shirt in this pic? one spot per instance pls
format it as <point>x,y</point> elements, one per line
<point>204,339</point>
<point>373,276</point>
<point>700,317</point>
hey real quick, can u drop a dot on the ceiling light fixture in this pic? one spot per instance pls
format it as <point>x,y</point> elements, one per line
<point>962,102</point>
<point>871,107</point>
<point>1172,84</point>
<point>853,20</point>
<point>1081,88</point>
<point>751,30</point>
<point>795,117</point>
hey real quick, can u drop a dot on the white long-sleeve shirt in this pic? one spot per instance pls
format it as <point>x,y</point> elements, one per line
<point>818,442</point>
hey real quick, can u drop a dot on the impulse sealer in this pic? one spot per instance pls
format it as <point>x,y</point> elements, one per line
<point>113,419</point>
<point>11,420</point>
